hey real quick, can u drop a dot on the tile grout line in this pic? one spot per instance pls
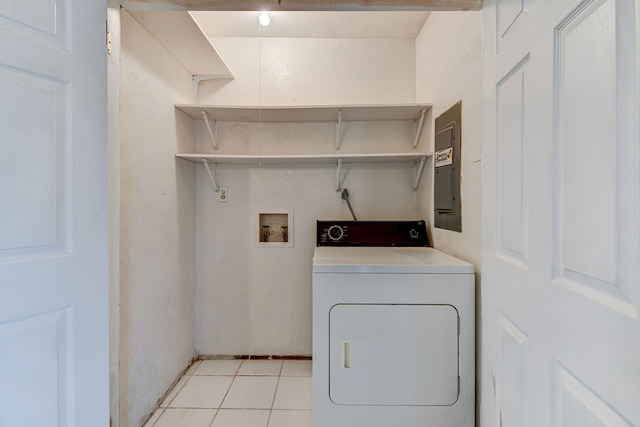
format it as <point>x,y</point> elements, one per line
<point>225,395</point>
<point>157,419</point>
<point>177,391</point>
<point>274,394</point>
<point>191,372</point>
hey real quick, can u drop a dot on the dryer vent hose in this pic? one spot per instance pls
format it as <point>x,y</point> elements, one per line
<point>345,197</point>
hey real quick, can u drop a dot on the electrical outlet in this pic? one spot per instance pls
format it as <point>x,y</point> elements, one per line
<point>223,194</point>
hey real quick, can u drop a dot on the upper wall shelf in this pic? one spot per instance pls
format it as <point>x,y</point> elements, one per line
<point>324,113</point>
<point>181,35</point>
<point>284,159</point>
<point>183,38</point>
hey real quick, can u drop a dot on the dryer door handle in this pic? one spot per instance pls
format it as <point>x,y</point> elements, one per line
<point>345,354</point>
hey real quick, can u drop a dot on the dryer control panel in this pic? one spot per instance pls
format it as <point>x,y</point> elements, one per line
<point>372,233</point>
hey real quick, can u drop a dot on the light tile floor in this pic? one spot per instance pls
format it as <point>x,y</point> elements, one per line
<point>239,393</point>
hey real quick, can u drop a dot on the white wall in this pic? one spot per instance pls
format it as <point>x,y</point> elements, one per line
<point>279,71</point>
<point>256,300</point>
<point>157,234</point>
<point>113,66</point>
<point>449,69</point>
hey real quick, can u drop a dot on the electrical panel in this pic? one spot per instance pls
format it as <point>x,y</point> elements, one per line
<point>447,160</point>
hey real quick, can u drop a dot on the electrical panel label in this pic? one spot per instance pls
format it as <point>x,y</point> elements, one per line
<point>444,157</point>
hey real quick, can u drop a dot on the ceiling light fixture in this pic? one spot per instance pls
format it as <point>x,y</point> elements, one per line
<point>264,19</point>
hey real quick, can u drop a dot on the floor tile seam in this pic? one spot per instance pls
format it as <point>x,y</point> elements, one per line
<point>196,407</point>
<point>275,393</point>
<point>177,390</point>
<point>192,407</point>
<point>244,409</point>
<point>224,374</point>
<point>258,375</point>
<point>294,409</point>
<point>214,417</point>
<point>225,395</point>
<point>158,418</point>
<point>191,369</point>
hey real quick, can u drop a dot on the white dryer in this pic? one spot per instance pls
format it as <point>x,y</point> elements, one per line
<point>393,329</point>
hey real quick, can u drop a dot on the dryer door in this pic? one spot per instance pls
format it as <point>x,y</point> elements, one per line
<point>388,354</point>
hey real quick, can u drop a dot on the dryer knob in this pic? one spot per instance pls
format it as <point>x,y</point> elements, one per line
<point>335,233</point>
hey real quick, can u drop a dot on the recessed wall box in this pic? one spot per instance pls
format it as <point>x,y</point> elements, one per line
<point>275,228</point>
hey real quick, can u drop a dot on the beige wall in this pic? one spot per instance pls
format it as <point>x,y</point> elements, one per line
<point>278,71</point>
<point>157,228</point>
<point>256,300</point>
<point>449,69</point>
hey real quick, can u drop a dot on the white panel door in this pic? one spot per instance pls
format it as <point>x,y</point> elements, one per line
<point>53,214</point>
<point>561,236</point>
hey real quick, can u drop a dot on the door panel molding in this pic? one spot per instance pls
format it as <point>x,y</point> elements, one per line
<point>509,16</point>
<point>511,391</point>
<point>512,222</point>
<point>35,218</point>
<point>39,350</point>
<point>590,185</point>
<point>45,20</point>
<point>575,404</point>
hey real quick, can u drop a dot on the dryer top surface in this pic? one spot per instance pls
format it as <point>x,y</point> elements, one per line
<point>387,260</point>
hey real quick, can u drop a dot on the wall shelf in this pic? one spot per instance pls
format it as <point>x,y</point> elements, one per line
<point>211,114</point>
<point>179,33</point>
<point>418,158</point>
<point>290,159</point>
<point>323,113</point>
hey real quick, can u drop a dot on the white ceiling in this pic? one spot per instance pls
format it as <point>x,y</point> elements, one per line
<point>339,25</point>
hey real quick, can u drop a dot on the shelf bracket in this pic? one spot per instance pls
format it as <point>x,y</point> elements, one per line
<point>195,82</point>
<point>416,181</point>
<point>338,174</point>
<point>212,175</point>
<point>338,125</point>
<point>213,132</point>
<point>420,125</point>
